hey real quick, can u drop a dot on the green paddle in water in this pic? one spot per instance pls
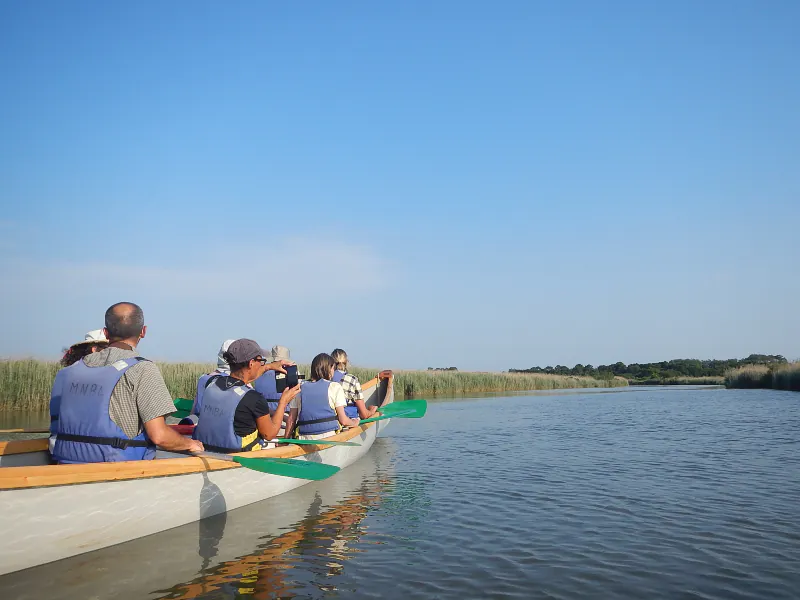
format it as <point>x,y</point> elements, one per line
<point>408,409</point>
<point>313,442</point>
<point>284,467</point>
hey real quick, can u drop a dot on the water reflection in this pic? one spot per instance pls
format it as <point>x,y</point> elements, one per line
<point>320,543</point>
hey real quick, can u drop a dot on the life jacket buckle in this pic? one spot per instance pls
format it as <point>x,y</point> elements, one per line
<point>120,444</point>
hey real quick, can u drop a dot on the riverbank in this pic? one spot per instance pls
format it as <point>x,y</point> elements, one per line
<point>25,384</point>
<point>784,377</point>
<point>680,381</point>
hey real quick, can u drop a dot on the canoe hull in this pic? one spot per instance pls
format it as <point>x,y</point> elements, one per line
<point>47,523</point>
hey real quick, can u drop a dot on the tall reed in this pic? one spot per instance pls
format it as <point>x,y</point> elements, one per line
<point>784,377</point>
<point>787,377</point>
<point>25,384</point>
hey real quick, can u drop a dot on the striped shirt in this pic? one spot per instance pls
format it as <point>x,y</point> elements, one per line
<point>140,395</point>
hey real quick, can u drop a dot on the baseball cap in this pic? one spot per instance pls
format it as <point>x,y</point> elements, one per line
<point>244,350</point>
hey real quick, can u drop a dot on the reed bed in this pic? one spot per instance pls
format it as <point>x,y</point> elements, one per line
<point>783,377</point>
<point>25,384</point>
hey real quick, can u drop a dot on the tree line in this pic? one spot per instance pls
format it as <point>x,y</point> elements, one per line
<point>668,369</point>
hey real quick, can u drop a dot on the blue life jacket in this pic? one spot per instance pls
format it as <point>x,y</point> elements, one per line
<point>267,387</point>
<point>202,384</point>
<point>351,410</point>
<point>316,414</point>
<point>55,400</point>
<point>215,428</point>
<point>86,433</point>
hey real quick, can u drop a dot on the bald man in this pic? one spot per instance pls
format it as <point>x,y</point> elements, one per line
<point>111,405</point>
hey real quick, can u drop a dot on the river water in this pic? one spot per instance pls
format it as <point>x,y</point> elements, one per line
<point>635,493</point>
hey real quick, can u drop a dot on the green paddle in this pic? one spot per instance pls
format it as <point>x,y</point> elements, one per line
<point>284,467</point>
<point>313,442</point>
<point>417,406</point>
<point>184,404</point>
<point>408,409</point>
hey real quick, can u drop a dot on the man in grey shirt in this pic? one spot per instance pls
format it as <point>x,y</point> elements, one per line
<point>137,405</point>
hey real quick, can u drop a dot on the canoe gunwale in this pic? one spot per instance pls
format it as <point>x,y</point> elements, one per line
<point>28,477</point>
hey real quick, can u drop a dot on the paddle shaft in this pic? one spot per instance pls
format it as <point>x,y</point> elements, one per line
<point>24,431</point>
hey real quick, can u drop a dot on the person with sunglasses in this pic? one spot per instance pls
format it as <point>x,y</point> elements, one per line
<point>234,417</point>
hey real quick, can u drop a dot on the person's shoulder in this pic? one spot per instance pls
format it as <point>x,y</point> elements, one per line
<point>253,397</point>
<point>144,366</point>
<point>350,377</point>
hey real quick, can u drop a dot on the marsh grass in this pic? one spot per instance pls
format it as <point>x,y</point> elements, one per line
<point>25,384</point>
<point>783,377</point>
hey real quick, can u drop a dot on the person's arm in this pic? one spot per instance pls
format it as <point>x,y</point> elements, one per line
<point>363,411</point>
<point>154,403</point>
<point>278,365</point>
<point>344,420</point>
<point>167,438</point>
<point>269,425</point>
<point>291,419</point>
<point>337,400</point>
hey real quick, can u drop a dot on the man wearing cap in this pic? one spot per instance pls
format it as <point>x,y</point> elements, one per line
<point>112,404</point>
<point>234,417</point>
<point>267,386</point>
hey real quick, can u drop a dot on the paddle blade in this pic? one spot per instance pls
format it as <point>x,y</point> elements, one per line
<point>313,442</point>
<point>411,409</point>
<point>286,467</point>
<point>183,404</point>
<point>408,409</point>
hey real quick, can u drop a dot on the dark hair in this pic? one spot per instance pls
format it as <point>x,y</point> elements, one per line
<point>124,320</point>
<point>321,366</point>
<point>74,353</point>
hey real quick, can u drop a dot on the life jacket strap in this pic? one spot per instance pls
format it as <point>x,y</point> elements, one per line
<point>315,421</point>
<point>114,442</point>
<point>223,450</point>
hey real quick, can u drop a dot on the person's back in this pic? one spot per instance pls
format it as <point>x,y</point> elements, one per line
<point>110,406</point>
<point>267,386</point>
<point>356,407</point>
<point>322,402</point>
<point>203,382</point>
<point>234,417</point>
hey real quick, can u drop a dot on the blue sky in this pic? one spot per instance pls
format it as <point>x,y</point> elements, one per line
<point>471,184</point>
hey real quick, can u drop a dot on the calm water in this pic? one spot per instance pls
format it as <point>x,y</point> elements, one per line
<point>643,493</point>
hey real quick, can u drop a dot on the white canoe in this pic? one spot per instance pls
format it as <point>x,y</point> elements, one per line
<point>228,549</point>
<point>50,512</point>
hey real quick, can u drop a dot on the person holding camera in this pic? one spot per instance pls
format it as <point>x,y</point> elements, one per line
<point>356,407</point>
<point>271,385</point>
<point>234,417</point>
<point>321,411</point>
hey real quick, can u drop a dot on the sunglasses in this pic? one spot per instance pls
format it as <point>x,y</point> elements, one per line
<point>262,360</point>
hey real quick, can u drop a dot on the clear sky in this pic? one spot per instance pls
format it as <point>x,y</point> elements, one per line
<point>474,184</point>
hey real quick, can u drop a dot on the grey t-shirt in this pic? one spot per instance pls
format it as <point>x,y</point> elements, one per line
<point>140,395</point>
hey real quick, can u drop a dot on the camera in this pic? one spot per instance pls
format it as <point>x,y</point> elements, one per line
<point>289,379</point>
